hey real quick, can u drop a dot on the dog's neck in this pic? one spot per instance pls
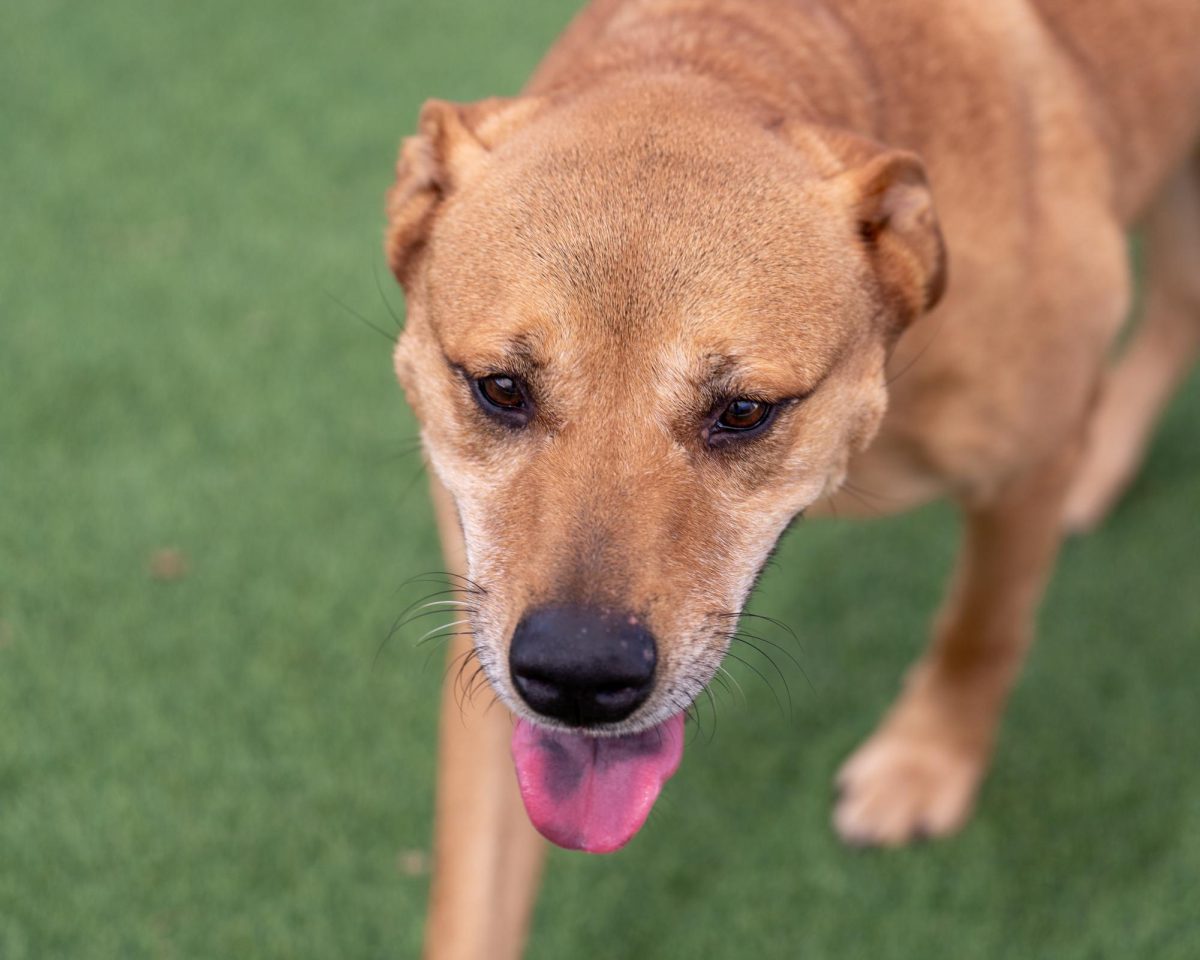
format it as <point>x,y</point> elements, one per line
<point>754,64</point>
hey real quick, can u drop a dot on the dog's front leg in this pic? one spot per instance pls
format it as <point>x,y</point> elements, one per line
<point>918,773</point>
<point>487,857</point>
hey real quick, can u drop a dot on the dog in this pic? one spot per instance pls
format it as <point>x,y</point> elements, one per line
<point>719,259</point>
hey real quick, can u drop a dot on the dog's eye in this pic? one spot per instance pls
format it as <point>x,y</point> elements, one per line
<point>502,391</point>
<point>504,396</point>
<point>743,414</point>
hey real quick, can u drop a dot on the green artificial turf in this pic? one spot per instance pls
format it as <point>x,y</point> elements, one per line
<point>214,762</point>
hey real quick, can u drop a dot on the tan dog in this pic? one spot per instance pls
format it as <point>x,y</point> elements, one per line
<point>677,292</point>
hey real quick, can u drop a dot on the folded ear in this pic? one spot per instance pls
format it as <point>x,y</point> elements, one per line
<point>897,222</point>
<point>452,143</point>
<point>890,199</point>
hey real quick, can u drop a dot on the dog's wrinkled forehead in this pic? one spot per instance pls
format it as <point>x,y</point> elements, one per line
<point>629,249</point>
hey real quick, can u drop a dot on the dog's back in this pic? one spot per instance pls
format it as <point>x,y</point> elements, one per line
<point>923,72</point>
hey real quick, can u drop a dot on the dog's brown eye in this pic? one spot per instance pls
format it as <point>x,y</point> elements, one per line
<point>503,397</point>
<point>742,414</point>
<point>501,391</point>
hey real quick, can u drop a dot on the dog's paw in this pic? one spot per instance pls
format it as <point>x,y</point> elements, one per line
<point>902,786</point>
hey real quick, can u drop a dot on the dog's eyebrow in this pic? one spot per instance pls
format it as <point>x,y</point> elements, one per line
<point>728,375</point>
<point>515,356</point>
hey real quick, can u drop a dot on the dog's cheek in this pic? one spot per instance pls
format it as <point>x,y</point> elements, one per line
<point>864,426</point>
<point>865,400</point>
<point>404,365</point>
<point>861,428</point>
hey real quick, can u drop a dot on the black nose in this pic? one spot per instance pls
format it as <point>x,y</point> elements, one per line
<point>582,666</point>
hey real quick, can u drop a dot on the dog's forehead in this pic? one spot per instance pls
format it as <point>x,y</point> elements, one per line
<point>644,252</point>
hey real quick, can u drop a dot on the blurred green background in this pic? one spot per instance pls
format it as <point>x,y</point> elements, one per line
<point>207,510</point>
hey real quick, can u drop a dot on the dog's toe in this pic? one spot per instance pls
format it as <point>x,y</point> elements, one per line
<point>897,789</point>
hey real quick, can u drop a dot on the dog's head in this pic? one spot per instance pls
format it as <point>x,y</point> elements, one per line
<point>643,334</point>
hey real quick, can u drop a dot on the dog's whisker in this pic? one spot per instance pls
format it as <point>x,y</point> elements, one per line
<point>771,620</point>
<point>451,586</point>
<point>429,596</point>
<point>452,575</point>
<point>745,635</point>
<point>763,677</point>
<point>852,491</point>
<point>478,682</point>
<point>722,672</point>
<point>413,618</point>
<point>405,448</point>
<point>920,353</point>
<point>390,338</point>
<point>462,660</point>
<point>712,704</point>
<point>711,731</point>
<point>691,713</point>
<point>725,688</point>
<point>406,451</point>
<point>468,688</point>
<point>408,487</point>
<point>401,622</point>
<point>433,644</point>
<point>460,604</point>
<point>446,575</point>
<point>870,494</point>
<point>432,634</point>
<point>775,666</point>
<point>442,638</point>
<point>782,649</point>
<point>387,304</point>
<point>457,663</point>
<point>679,703</point>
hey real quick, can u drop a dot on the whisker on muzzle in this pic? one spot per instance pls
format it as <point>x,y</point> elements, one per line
<point>436,633</point>
<point>788,713</point>
<point>458,667</point>
<point>469,688</point>
<point>401,624</point>
<point>428,601</point>
<point>428,605</point>
<point>729,678</point>
<point>760,616</point>
<point>444,577</point>
<point>389,337</point>
<point>752,639</point>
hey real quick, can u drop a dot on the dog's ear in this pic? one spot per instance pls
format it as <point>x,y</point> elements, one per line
<point>899,227</point>
<point>452,143</point>
<point>889,196</point>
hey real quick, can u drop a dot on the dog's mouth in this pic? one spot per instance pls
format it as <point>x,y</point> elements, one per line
<point>593,793</point>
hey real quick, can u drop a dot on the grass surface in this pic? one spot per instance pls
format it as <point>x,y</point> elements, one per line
<point>213,763</point>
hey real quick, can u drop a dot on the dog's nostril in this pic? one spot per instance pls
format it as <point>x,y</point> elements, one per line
<point>582,666</point>
<point>619,698</point>
<point>531,687</point>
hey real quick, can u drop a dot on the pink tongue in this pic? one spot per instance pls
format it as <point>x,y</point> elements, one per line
<point>593,793</point>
